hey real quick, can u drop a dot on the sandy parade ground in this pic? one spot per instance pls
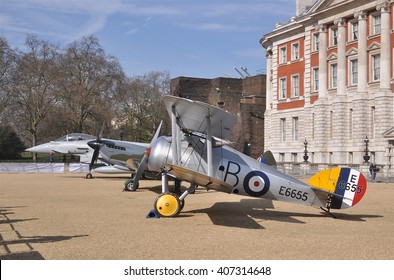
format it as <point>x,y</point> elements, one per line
<point>67,217</point>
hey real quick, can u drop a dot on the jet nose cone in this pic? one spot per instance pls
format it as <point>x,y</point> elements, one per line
<point>43,148</point>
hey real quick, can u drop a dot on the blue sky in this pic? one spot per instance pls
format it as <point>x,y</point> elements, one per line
<point>200,38</point>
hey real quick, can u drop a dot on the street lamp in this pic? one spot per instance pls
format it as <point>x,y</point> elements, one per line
<point>366,156</point>
<point>306,151</point>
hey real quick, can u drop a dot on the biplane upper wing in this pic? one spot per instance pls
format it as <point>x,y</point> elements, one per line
<point>200,179</point>
<point>191,115</point>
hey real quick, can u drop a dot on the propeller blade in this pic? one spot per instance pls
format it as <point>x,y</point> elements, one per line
<point>157,133</point>
<point>144,161</point>
<point>101,132</point>
<point>94,158</point>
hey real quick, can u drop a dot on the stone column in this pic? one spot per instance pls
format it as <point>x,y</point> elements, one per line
<point>268,83</point>
<point>361,108</point>
<point>341,85</point>
<point>322,61</point>
<point>320,107</point>
<point>362,52</point>
<point>384,99</point>
<point>384,8</point>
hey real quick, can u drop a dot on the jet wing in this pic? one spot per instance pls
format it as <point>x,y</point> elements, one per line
<point>200,179</point>
<point>192,115</point>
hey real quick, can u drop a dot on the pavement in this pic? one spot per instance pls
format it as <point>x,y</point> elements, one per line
<point>67,217</point>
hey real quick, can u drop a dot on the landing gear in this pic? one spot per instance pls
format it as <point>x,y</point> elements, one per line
<point>130,185</point>
<point>168,205</point>
<point>89,176</point>
<point>328,206</point>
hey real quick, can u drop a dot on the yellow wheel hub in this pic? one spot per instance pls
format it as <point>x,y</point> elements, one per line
<point>167,205</point>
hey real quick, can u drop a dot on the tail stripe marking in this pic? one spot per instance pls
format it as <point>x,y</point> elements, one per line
<point>351,188</point>
<point>361,188</point>
<point>340,188</point>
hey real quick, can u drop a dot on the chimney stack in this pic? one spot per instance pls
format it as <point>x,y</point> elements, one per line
<point>302,5</point>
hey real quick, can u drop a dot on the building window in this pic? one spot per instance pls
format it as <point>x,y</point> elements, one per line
<point>295,129</point>
<point>315,41</point>
<point>295,51</point>
<point>294,157</point>
<point>283,130</point>
<point>295,81</point>
<point>376,24</point>
<point>334,36</point>
<point>281,157</point>
<point>353,71</point>
<point>334,75</point>
<point>354,30</point>
<point>283,89</point>
<point>283,55</point>
<point>315,77</point>
<point>350,160</point>
<point>375,62</point>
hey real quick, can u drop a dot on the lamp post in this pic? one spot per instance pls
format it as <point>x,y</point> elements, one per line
<point>366,156</point>
<point>306,151</point>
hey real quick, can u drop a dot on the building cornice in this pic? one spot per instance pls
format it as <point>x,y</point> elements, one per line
<point>323,16</point>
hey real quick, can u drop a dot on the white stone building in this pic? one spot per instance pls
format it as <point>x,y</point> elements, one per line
<point>330,81</point>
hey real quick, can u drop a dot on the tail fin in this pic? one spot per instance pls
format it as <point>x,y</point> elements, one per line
<point>268,159</point>
<point>348,185</point>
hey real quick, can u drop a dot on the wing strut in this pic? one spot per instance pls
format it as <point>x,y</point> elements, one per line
<point>209,144</point>
<point>175,136</point>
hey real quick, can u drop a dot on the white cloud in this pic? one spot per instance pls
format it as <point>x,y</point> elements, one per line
<point>132,31</point>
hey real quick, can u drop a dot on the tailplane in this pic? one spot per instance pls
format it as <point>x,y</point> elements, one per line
<point>347,185</point>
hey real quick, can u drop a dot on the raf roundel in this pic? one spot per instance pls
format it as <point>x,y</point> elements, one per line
<point>256,183</point>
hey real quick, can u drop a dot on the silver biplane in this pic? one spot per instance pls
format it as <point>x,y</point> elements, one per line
<point>197,152</point>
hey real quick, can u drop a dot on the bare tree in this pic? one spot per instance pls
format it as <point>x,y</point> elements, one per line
<point>140,105</point>
<point>35,89</point>
<point>7,67</point>
<point>90,79</point>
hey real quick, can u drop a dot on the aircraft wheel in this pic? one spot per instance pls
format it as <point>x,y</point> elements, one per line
<point>168,205</point>
<point>130,186</point>
<point>89,176</point>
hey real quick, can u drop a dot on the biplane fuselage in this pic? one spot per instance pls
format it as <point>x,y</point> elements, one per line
<point>241,174</point>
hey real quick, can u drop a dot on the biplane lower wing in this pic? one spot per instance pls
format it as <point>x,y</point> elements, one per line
<point>200,179</point>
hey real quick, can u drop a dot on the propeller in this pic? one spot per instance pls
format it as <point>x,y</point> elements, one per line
<point>96,146</point>
<point>134,183</point>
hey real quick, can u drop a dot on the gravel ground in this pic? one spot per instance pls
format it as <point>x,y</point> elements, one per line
<point>66,217</point>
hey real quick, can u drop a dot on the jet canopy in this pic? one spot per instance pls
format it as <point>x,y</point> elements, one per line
<point>75,137</point>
